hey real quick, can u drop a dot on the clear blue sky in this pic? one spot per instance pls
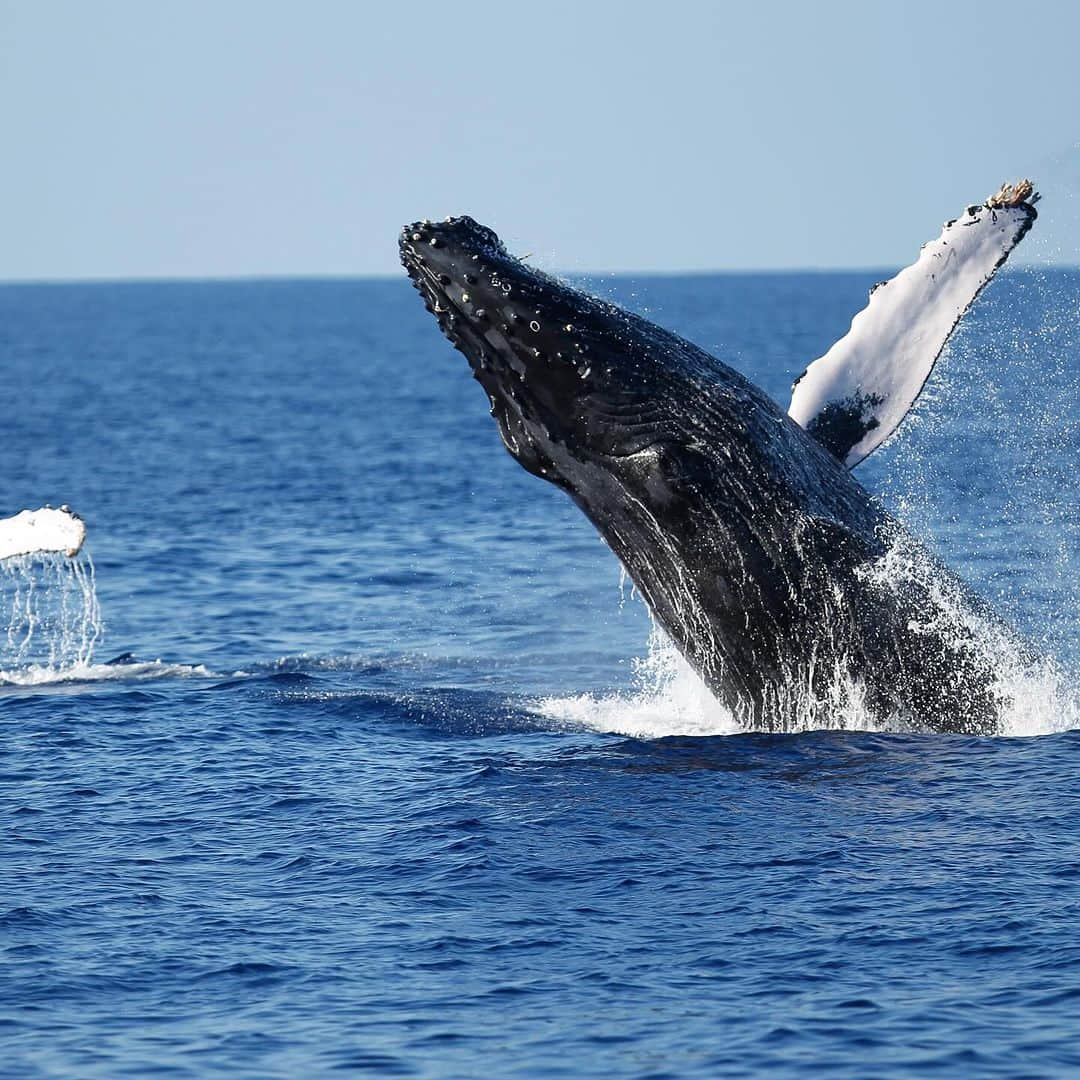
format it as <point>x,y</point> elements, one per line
<point>168,138</point>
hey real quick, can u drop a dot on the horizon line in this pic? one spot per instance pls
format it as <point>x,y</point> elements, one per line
<point>315,276</point>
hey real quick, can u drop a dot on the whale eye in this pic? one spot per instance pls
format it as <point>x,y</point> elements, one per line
<point>683,466</point>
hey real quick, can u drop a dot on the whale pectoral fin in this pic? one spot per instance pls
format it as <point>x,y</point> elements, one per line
<point>855,396</point>
<point>42,532</point>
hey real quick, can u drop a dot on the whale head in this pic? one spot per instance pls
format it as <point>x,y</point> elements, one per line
<point>570,385</point>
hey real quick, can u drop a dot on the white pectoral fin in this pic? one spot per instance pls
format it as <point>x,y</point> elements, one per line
<point>854,397</point>
<point>44,531</point>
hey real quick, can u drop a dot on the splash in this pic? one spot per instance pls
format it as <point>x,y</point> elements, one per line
<point>136,671</point>
<point>669,698</point>
<point>53,616</point>
<point>1036,695</point>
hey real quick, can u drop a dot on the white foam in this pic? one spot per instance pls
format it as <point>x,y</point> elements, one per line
<point>43,531</point>
<point>1038,697</point>
<point>1043,700</point>
<point>43,675</point>
<point>670,699</point>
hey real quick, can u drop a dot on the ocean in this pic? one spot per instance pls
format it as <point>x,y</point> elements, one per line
<point>396,780</point>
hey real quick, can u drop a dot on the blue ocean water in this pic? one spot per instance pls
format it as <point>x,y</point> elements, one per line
<point>390,790</point>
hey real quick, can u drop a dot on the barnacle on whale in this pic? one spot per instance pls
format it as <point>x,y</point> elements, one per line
<point>1012,195</point>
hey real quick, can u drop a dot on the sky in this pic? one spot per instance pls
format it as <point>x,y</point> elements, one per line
<point>215,139</point>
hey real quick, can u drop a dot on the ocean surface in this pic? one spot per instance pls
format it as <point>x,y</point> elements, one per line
<point>393,782</point>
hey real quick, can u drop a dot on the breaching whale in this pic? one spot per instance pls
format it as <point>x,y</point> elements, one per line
<point>763,559</point>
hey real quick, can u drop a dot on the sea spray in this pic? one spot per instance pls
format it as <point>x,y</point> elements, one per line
<point>668,697</point>
<point>52,613</point>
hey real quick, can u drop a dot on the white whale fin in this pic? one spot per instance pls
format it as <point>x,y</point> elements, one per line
<point>854,397</point>
<point>44,531</point>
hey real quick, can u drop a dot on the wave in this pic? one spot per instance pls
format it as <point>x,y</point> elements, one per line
<point>133,671</point>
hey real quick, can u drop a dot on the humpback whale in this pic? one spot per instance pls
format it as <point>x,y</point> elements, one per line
<point>770,567</point>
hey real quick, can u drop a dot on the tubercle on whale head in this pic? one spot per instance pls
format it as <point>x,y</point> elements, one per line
<point>481,293</point>
<point>549,357</point>
<point>1009,196</point>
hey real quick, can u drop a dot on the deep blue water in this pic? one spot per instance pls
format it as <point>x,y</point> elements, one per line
<point>342,827</point>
